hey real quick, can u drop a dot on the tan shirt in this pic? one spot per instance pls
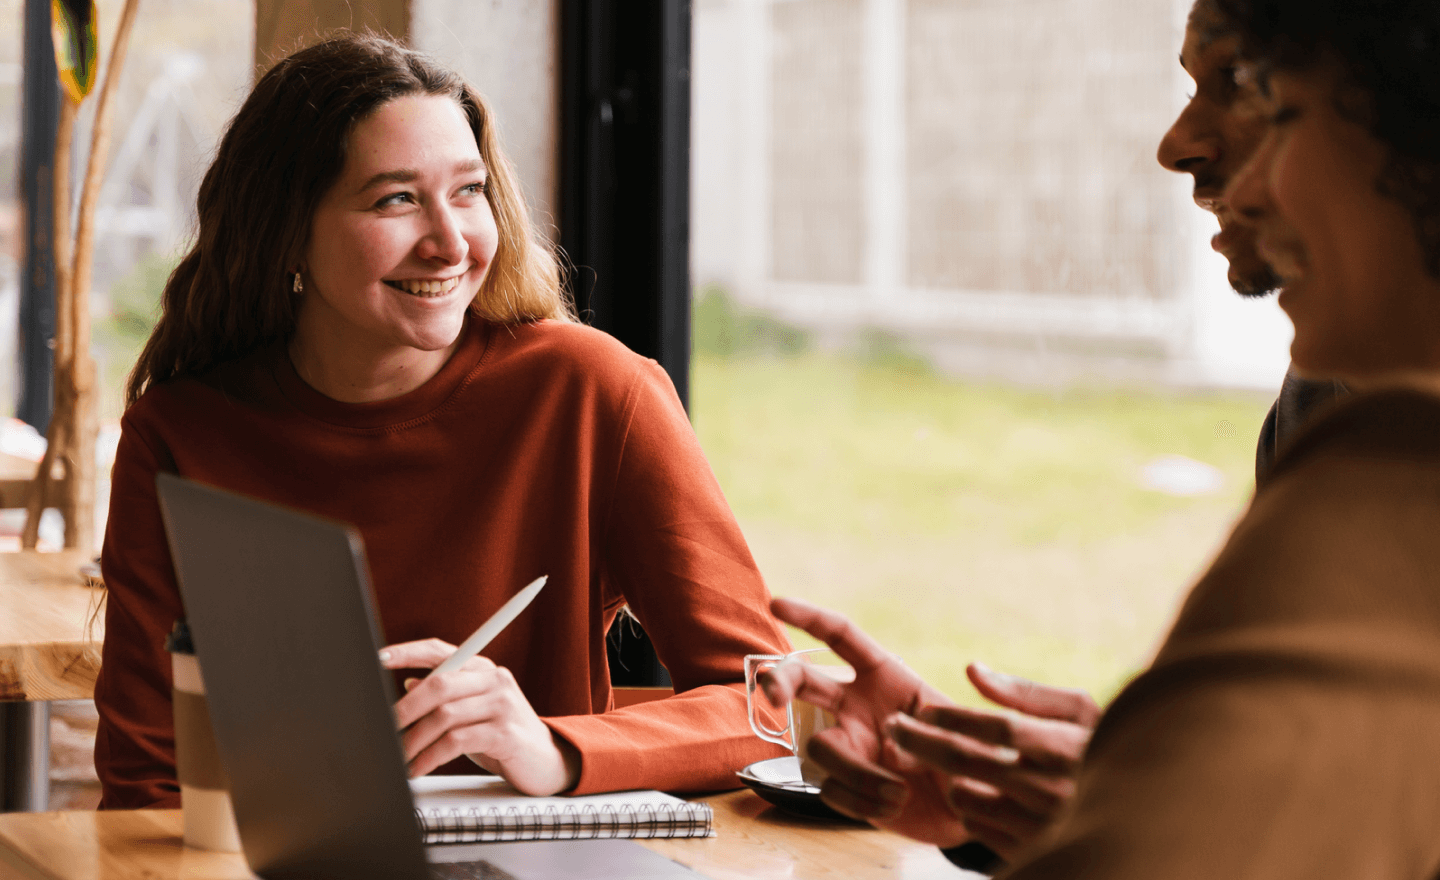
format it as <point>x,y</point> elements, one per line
<point>1290,725</point>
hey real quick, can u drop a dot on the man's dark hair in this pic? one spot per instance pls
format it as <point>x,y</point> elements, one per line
<point>1388,52</point>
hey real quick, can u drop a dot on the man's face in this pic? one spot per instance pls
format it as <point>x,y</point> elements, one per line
<point>1215,134</point>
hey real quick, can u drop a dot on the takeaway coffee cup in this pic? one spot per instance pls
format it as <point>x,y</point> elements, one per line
<point>204,790</point>
<point>802,719</point>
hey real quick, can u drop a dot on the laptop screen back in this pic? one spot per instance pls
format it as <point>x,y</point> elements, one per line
<point>280,608</point>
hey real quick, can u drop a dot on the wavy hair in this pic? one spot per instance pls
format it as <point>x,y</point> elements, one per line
<point>1388,52</point>
<point>284,149</point>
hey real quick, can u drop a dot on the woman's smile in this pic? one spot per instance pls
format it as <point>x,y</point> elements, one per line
<point>426,287</point>
<point>399,248</point>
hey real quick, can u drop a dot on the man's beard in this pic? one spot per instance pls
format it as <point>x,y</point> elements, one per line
<point>1256,284</point>
<point>1253,281</point>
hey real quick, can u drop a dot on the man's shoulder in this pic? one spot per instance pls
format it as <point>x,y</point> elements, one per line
<point>1400,425</point>
<point>1339,540</point>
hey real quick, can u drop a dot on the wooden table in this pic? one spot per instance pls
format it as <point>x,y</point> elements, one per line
<point>50,634</point>
<point>753,840</point>
<point>15,476</point>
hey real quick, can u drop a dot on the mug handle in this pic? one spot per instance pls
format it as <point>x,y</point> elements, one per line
<point>755,663</point>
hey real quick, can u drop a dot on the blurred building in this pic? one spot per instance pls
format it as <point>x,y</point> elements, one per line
<point>976,176</point>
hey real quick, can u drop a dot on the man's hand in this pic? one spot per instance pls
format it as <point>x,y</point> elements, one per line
<point>869,779</point>
<point>1005,775</point>
<point>478,711</point>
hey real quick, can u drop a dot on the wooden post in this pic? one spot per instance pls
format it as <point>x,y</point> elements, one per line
<point>73,427</point>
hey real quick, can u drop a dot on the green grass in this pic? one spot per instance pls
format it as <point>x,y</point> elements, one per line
<point>959,521</point>
<point>825,443</point>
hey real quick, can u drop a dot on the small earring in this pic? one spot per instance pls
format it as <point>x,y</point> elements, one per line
<point>298,286</point>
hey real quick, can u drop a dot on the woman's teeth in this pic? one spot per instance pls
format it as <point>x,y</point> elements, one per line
<point>426,288</point>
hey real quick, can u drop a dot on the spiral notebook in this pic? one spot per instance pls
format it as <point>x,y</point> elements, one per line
<point>485,809</point>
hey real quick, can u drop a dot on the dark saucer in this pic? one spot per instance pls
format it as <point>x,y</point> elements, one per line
<point>778,781</point>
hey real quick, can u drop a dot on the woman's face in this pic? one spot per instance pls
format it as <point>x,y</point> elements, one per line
<point>1353,274</point>
<point>401,243</point>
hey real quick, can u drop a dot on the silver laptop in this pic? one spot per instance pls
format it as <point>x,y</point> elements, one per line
<point>280,608</point>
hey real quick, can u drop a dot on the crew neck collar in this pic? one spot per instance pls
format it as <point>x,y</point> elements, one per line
<point>408,407</point>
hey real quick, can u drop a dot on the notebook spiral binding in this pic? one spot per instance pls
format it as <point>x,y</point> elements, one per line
<point>492,824</point>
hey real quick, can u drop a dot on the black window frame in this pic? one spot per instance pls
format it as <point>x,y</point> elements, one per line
<point>625,202</point>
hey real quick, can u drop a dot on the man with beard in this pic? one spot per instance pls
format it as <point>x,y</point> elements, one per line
<point>1023,763</point>
<point>1215,134</point>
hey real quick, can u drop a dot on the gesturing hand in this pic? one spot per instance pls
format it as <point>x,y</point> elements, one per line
<point>478,711</point>
<point>1006,775</point>
<point>869,778</point>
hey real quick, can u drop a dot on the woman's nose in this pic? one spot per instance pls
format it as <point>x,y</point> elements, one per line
<point>445,240</point>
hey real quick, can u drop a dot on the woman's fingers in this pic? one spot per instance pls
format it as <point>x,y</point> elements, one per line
<point>448,732</point>
<point>476,677</point>
<point>424,654</point>
<point>437,704</point>
<point>1034,698</point>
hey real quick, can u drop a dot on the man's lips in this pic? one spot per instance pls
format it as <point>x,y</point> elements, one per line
<point>1225,240</point>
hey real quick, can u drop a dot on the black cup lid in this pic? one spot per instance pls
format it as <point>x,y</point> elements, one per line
<point>179,641</point>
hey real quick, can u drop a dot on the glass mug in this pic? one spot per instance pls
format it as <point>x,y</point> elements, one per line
<point>802,719</point>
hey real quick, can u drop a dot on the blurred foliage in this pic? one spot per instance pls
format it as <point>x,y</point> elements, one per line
<point>134,308</point>
<point>723,328</point>
<point>888,351</point>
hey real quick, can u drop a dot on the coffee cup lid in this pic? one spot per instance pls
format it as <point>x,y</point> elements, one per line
<point>179,641</point>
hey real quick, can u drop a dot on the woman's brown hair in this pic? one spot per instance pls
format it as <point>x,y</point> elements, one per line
<point>284,149</point>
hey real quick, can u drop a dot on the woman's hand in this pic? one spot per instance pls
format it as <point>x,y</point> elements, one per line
<point>477,711</point>
<point>1005,775</point>
<point>870,778</point>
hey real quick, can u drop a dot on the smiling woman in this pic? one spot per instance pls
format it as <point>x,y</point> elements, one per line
<point>367,329</point>
<point>399,248</point>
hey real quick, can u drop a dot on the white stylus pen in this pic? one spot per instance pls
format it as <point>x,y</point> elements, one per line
<point>491,628</point>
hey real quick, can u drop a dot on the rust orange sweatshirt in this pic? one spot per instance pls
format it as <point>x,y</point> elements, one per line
<point>543,448</point>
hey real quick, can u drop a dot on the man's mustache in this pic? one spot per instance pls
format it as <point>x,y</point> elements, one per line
<point>1209,186</point>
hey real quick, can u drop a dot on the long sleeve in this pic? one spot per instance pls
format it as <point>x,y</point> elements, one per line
<point>135,744</point>
<point>1288,726</point>
<point>538,449</point>
<point>673,550</point>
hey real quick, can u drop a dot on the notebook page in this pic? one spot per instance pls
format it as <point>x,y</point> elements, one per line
<point>462,792</point>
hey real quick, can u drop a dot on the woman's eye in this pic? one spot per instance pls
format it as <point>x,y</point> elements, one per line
<point>476,189</point>
<point>393,199</point>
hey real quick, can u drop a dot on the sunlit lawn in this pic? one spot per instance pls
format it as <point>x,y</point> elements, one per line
<point>960,521</point>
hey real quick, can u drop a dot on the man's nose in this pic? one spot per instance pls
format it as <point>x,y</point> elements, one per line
<point>1191,143</point>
